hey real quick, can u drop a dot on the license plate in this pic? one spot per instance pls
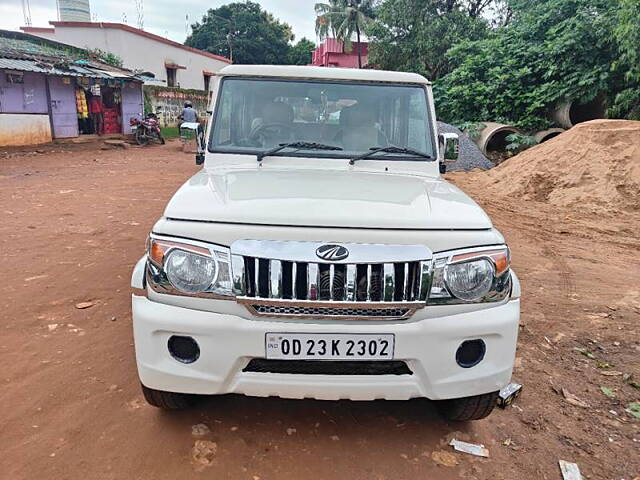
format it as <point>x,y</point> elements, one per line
<point>329,346</point>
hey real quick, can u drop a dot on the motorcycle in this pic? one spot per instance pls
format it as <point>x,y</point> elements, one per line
<point>147,130</point>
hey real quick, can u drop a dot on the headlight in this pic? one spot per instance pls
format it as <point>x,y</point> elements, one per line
<point>190,272</point>
<point>469,280</point>
<point>185,267</point>
<point>471,276</point>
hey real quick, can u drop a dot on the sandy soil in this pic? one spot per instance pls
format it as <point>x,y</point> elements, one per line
<point>74,221</point>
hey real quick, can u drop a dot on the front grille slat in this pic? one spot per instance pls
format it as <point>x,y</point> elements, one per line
<point>405,274</point>
<point>275,279</point>
<point>424,284</point>
<point>332,273</point>
<point>389,282</point>
<point>313,281</point>
<point>351,283</point>
<point>294,273</point>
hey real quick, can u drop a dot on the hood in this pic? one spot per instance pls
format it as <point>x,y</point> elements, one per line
<point>325,198</point>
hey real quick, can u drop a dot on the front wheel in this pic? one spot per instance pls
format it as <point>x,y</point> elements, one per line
<point>141,138</point>
<point>167,400</point>
<point>468,408</point>
<point>158,136</point>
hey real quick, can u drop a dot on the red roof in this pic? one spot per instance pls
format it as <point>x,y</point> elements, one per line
<point>37,29</point>
<point>136,31</point>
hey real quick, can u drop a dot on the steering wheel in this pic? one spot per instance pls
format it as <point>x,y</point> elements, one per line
<point>268,131</point>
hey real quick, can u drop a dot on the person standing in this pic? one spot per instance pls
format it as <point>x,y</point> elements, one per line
<point>188,114</point>
<point>96,108</point>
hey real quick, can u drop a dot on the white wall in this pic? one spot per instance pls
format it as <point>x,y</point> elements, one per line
<point>24,129</point>
<point>139,52</point>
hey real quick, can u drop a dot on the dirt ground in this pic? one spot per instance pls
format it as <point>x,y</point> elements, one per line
<point>74,221</point>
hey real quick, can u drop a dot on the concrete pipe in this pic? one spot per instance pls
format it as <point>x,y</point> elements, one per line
<point>544,135</point>
<point>493,137</point>
<point>569,114</point>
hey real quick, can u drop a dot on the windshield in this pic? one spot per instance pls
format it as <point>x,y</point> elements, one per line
<point>254,115</point>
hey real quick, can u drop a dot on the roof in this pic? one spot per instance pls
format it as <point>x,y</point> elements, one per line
<point>323,73</point>
<point>29,53</point>
<point>136,31</point>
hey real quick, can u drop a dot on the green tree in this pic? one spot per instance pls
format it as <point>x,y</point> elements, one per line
<point>300,53</point>
<point>626,68</point>
<point>243,32</point>
<point>551,51</point>
<point>343,18</point>
<point>414,35</point>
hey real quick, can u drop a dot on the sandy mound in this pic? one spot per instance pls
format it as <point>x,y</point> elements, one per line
<point>595,164</point>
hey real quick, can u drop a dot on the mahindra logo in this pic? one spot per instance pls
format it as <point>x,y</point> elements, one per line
<point>333,253</point>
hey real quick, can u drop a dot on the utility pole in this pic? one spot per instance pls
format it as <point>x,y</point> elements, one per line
<point>26,12</point>
<point>229,37</point>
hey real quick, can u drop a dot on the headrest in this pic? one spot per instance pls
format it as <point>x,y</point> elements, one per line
<point>277,112</point>
<point>358,115</point>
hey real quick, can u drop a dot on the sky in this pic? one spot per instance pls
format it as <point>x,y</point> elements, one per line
<point>167,18</point>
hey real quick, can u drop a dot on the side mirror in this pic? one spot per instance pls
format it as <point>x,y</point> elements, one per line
<point>199,158</point>
<point>449,146</point>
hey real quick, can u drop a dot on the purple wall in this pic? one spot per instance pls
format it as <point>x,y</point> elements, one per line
<point>27,97</point>
<point>63,108</point>
<point>132,104</point>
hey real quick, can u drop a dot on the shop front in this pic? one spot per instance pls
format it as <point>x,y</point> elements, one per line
<point>90,106</point>
<point>51,90</point>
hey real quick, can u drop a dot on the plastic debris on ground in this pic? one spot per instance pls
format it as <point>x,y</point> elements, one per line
<point>508,394</point>
<point>470,448</point>
<point>570,471</point>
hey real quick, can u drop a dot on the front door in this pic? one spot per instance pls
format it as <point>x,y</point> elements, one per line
<point>63,108</point>
<point>132,104</point>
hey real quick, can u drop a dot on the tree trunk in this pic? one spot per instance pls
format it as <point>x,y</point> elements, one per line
<point>358,40</point>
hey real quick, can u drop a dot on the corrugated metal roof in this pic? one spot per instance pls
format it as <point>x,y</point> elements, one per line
<point>23,65</point>
<point>73,71</point>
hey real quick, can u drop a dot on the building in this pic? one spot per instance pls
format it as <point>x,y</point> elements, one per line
<point>45,87</point>
<point>169,63</point>
<point>74,10</point>
<point>331,53</point>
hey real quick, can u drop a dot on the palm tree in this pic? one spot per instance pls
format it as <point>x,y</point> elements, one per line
<point>342,18</point>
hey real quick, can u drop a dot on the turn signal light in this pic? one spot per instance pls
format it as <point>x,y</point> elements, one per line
<point>158,249</point>
<point>500,258</point>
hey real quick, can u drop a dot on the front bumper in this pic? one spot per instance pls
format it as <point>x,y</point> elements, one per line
<point>228,342</point>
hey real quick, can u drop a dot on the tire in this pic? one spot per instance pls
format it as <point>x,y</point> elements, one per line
<point>167,400</point>
<point>162,142</point>
<point>140,137</point>
<point>468,408</point>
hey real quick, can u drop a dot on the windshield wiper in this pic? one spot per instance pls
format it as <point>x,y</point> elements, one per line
<point>391,149</point>
<point>296,145</point>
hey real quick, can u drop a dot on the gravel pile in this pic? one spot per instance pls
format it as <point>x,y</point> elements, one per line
<point>470,155</point>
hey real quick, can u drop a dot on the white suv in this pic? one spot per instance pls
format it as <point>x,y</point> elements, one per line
<point>320,254</point>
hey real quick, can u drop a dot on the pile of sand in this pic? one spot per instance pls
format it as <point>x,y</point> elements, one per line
<point>595,165</point>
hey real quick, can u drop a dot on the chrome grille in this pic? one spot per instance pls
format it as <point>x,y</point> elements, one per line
<point>377,282</point>
<point>287,279</point>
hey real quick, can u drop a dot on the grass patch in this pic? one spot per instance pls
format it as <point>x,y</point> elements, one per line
<point>170,132</point>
